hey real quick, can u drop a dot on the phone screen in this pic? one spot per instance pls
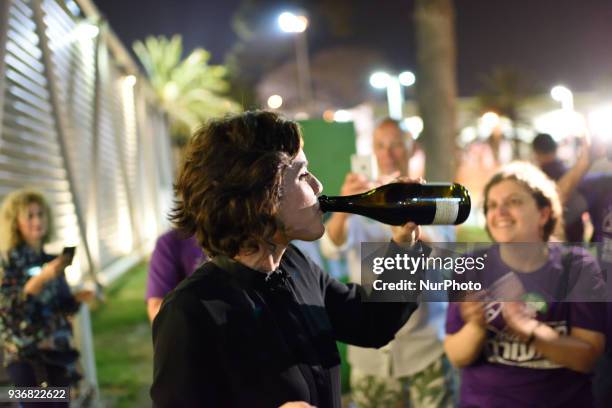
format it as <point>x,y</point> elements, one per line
<point>34,271</point>
<point>364,165</point>
<point>68,252</point>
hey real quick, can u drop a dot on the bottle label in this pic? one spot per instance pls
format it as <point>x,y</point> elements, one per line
<point>447,210</point>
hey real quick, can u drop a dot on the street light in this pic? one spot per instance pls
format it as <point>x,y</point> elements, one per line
<point>566,123</point>
<point>407,78</point>
<point>393,84</point>
<point>563,95</point>
<point>275,101</point>
<point>291,23</point>
<point>297,24</point>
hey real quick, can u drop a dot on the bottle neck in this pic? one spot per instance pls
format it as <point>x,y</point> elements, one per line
<point>334,204</point>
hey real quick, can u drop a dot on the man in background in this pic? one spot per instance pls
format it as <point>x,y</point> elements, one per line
<point>413,364</point>
<point>545,155</point>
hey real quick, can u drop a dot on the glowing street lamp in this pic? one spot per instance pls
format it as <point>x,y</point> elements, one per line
<point>407,78</point>
<point>275,101</point>
<point>393,84</point>
<point>291,23</point>
<point>297,24</point>
<point>379,80</point>
<point>563,95</point>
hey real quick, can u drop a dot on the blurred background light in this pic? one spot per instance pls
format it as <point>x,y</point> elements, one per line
<point>130,80</point>
<point>342,115</point>
<point>407,78</point>
<point>291,23</point>
<point>379,80</point>
<point>562,94</point>
<point>414,125</point>
<point>275,101</point>
<point>600,123</point>
<point>328,115</point>
<point>87,30</point>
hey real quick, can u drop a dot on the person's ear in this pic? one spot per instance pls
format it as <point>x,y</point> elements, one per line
<point>545,214</point>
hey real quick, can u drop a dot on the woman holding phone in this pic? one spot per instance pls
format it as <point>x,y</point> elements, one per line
<point>35,300</point>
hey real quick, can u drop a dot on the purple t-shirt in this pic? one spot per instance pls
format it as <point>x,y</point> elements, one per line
<point>554,169</point>
<point>174,258</point>
<point>572,213</point>
<point>509,373</point>
<point>597,189</point>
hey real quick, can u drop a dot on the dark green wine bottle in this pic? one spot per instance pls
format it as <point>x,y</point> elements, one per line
<point>399,203</point>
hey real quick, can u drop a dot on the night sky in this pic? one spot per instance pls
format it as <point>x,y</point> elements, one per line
<point>550,41</point>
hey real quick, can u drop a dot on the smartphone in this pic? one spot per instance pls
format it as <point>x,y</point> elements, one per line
<point>34,271</point>
<point>68,253</point>
<point>364,165</point>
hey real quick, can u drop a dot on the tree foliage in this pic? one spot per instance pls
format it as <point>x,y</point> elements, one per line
<point>261,48</point>
<point>189,89</point>
<point>503,91</point>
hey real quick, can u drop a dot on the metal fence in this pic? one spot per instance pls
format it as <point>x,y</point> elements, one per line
<point>78,123</point>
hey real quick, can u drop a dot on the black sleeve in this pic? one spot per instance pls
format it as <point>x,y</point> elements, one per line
<point>186,369</point>
<point>359,322</point>
<point>359,318</point>
<point>67,301</point>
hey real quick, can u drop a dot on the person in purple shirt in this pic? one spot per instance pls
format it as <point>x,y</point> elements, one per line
<point>597,189</point>
<point>174,258</point>
<point>545,155</point>
<point>510,354</point>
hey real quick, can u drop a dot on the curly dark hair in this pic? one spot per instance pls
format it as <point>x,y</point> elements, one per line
<point>229,186</point>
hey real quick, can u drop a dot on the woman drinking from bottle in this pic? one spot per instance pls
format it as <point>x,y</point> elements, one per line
<point>257,326</point>
<point>540,353</point>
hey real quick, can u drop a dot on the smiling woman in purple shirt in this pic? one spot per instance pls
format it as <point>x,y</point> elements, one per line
<point>512,355</point>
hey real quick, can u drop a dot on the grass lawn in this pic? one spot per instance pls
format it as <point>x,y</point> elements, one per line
<point>472,234</point>
<point>122,341</point>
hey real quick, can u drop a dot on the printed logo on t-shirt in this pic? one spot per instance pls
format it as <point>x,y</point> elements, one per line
<point>505,347</point>
<point>492,310</point>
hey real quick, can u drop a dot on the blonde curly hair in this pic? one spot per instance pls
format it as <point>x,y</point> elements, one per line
<point>12,207</point>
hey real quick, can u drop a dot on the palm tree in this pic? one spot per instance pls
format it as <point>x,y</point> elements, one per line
<point>437,85</point>
<point>190,90</point>
<point>504,90</point>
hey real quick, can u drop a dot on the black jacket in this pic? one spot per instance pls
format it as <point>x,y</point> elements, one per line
<point>230,336</point>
